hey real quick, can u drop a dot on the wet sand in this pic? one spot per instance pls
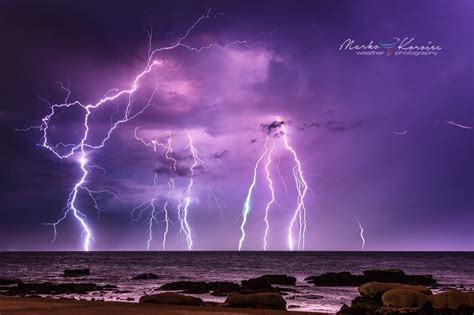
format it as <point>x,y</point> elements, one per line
<point>42,306</point>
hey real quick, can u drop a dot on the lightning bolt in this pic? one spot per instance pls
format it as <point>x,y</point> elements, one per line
<point>272,192</point>
<point>150,224</point>
<point>165,210</point>
<point>169,157</point>
<point>85,147</point>
<point>402,133</point>
<point>455,124</point>
<point>168,153</point>
<point>302,188</point>
<point>246,208</point>
<point>184,211</point>
<point>361,234</point>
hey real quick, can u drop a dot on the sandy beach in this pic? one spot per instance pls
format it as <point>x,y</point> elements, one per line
<point>33,306</point>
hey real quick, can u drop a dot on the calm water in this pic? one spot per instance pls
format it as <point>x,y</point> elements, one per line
<point>118,268</point>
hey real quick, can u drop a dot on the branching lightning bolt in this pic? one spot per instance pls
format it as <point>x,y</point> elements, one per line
<point>168,152</point>
<point>85,147</point>
<point>272,192</point>
<point>302,188</point>
<point>247,206</point>
<point>184,211</point>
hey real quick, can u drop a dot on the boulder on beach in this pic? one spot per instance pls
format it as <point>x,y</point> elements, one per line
<point>145,276</point>
<point>269,300</point>
<point>402,297</point>
<point>347,310</point>
<point>76,272</point>
<point>424,310</point>
<point>452,300</point>
<point>171,298</point>
<point>365,304</point>
<point>398,298</point>
<point>377,289</point>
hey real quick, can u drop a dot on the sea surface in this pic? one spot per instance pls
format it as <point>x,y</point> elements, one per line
<point>449,268</point>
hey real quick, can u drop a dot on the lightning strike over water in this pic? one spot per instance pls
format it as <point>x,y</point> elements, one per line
<point>168,153</point>
<point>361,234</point>
<point>302,188</point>
<point>272,191</point>
<point>166,212</point>
<point>300,182</point>
<point>86,146</point>
<point>247,204</point>
<point>183,210</point>
<point>150,224</point>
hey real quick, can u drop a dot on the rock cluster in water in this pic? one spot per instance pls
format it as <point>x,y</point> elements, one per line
<point>48,288</point>
<point>76,272</point>
<point>398,298</point>
<point>340,279</point>
<point>145,276</point>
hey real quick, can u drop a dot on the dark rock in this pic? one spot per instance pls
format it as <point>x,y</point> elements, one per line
<point>385,276</point>
<point>50,288</point>
<point>8,281</point>
<point>346,310</point>
<point>171,298</point>
<point>401,297</point>
<point>222,288</point>
<point>278,279</point>
<point>257,284</point>
<point>452,300</point>
<point>76,272</point>
<point>270,300</point>
<point>377,289</point>
<point>264,283</point>
<point>336,279</point>
<point>425,310</point>
<point>109,287</point>
<point>145,276</point>
<point>365,304</point>
<point>397,276</point>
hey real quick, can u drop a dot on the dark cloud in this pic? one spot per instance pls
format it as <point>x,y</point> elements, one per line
<point>269,128</point>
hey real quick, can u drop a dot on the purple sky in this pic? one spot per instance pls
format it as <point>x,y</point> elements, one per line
<point>341,111</point>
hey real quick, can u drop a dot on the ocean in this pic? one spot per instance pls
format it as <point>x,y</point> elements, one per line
<point>117,268</point>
